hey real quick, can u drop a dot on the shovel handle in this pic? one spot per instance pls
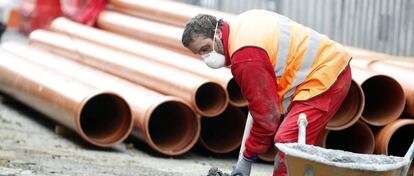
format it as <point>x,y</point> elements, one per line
<point>302,123</point>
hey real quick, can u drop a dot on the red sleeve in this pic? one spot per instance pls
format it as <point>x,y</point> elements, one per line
<point>89,14</point>
<point>254,73</point>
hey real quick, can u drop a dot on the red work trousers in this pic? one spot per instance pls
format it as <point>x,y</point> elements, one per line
<point>319,110</point>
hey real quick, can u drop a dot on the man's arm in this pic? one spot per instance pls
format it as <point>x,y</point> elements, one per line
<point>254,73</point>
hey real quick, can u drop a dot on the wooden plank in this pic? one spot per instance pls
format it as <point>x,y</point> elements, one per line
<point>401,36</point>
<point>367,8</point>
<point>346,22</point>
<point>354,18</point>
<point>410,29</point>
<point>399,12</point>
<point>339,25</point>
<point>375,31</point>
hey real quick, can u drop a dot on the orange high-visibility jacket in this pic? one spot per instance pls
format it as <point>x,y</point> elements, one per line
<point>305,62</point>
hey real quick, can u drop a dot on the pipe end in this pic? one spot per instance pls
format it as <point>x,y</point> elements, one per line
<point>236,97</point>
<point>223,133</point>
<point>211,99</point>
<point>173,128</point>
<point>350,110</point>
<point>105,119</point>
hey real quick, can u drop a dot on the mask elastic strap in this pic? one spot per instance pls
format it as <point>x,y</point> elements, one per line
<point>214,36</point>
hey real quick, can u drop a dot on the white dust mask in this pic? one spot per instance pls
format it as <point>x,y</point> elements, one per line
<point>214,59</point>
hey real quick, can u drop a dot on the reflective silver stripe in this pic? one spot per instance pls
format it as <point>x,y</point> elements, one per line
<point>283,48</point>
<point>305,67</point>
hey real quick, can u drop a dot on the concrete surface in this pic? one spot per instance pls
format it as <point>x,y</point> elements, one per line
<point>30,146</point>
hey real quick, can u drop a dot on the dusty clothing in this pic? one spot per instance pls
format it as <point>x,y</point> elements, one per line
<point>319,110</point>
<point>279,63</point>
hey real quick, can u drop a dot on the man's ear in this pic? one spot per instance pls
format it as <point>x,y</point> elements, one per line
<point>219,33</point>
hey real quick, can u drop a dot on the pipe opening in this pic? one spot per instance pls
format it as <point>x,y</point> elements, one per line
<point>211,99</point>
<point>350,110</point>
<point>401,140</point>
<point>106,119</point>
<point>384,100</point>
<point>173,128</point>
<point>223,134</point>
<point>346,139</point>
<point>235,94</point>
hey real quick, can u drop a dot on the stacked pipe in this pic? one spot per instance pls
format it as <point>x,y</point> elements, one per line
<point>168,88</point>
<point>99,116</point>
<point>393,138</point>
<point>375,100</point>
<point>144,68</point>
<point>166,123</point>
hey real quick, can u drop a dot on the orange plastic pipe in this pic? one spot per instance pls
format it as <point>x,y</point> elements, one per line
<point>153,53</point>
<point>149,31</point>
<point>395,138</point>
<point>100,117</point>
<point>206,97</point>
<point>350,110</point>
<point>384,97</point>
<point>402,74</point>
<point>358,138</point>
<point>223,133</point>
<point>170,12</point>
<point>359,53</point>
<point>151,111</point>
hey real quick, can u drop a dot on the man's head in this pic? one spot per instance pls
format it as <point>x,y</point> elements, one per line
<point>198,37</point>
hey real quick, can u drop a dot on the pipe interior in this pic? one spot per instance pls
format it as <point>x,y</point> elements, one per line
<point>384,100</point>
<point>346,139</point>
<point>401,140</point>
<point>235,94</point>
<point>223,133</point>
<point>173,127</point>
<point>106,118</point>
<point>349,109</point>
<point>211,98</point>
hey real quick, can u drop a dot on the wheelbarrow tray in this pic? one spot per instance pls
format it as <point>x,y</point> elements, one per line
<point>307,160</point>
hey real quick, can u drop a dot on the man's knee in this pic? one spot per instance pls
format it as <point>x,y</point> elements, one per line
<point>281,137</point>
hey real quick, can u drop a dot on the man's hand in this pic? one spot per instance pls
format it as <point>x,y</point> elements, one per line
<point>243,167</point>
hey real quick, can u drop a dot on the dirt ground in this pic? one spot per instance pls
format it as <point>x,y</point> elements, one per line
<point>30,146</point>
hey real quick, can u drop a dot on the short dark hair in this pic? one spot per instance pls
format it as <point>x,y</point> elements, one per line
<point>202,24</point>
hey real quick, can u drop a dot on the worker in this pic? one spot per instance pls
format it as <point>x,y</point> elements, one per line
<point>283,69</point>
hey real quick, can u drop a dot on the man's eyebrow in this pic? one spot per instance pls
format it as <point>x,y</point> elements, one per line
<point>203,47</point>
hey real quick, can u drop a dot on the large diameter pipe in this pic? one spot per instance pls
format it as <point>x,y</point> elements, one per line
<point>384,97</point>
<point>358,53</point>
<point>402,74</point>
<point>152,52</point>
<point>166,123</point>
<point>170,12</point>
<point>100,117</point>
<point>395,138</point>
<point>223,133</point>
<point>350,110</point>
<point>149,31</point>
<point>206,97</point>
<point>358,138</point>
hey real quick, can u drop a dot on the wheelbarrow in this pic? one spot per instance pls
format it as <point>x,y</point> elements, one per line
<point>308,160</point>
